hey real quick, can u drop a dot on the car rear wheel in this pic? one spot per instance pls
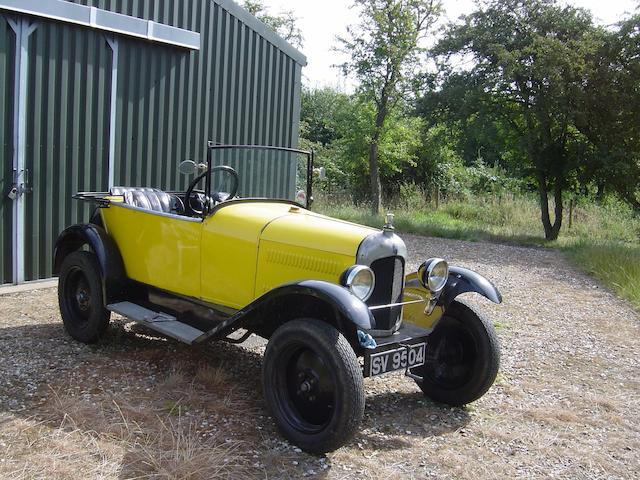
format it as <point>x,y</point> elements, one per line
<point>313,385</point>
<point>80,297</point>
<point>463,357</point>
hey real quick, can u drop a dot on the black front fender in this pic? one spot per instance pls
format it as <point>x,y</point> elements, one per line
<point>111,265</point>
<point>462,280</point>
<point>309,298</point>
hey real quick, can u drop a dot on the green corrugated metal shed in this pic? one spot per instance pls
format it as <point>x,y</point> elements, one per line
<point>241,87</point>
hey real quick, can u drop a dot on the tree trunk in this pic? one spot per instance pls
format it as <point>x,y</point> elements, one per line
<point>374,174</point>
<point>600,192</point>
<point>557,195</point>
<point>551,231</point>
<point>374,170</point>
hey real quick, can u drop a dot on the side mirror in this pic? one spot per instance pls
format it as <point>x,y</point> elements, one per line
<point>188,167</point>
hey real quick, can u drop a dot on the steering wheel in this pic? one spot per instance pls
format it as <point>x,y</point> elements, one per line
<point>217,196</point>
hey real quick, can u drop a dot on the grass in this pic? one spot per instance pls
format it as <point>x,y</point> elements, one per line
<point>108,435</point>
<point>603,239</point>
<point>616,265</point>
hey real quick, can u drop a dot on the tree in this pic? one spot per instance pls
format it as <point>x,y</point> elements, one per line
<point>529,62</point>
<point>284,23</point>
<point>609,112</point>
<point>384,52</point>
<point>339,127</point>
<point>320,110</point>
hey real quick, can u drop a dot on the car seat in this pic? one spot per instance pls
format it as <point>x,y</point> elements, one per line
<point>147,198</point>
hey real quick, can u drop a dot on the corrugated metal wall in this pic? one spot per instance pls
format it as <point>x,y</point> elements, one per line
<point>7,47</point>
<point>67,133</point>
<point>239,88</point>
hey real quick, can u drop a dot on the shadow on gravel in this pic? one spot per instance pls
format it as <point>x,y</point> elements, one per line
<point>175,408</point>
<point>402,417</point>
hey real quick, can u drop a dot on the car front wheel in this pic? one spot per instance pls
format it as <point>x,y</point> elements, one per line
<point>463,357</point>
<point>313,385</point>
<point>80,297</point>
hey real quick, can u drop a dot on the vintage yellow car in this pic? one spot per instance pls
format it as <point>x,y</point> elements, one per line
<point>332,297</point>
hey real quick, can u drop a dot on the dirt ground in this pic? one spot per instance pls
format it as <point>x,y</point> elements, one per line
<point>566,403</point>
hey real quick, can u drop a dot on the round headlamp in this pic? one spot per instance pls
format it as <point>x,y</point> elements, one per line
<point>360,280</point>
<point>433,274</point>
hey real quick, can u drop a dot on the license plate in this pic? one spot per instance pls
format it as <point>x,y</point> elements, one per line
<point>397,359</point>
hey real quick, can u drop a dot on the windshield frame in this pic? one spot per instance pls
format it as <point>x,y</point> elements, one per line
<point>211,146</point>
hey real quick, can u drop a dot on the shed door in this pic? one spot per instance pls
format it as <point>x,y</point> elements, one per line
<point>67,135</point>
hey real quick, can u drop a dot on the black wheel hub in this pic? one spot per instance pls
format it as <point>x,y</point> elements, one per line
<point>307,384</point>
<point>306,389</point>
<point>77,294</point>
<point>82,298</point>
<point>453,356</point>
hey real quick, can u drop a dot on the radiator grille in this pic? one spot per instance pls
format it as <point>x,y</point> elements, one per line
<point>389,274</point>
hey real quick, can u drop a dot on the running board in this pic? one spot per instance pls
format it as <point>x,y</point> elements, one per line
<point>158,321</point>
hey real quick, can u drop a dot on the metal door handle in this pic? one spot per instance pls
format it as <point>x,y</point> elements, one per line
<point>26,187</point>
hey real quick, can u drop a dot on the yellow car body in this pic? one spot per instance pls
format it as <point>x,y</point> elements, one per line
<point>234,256</point>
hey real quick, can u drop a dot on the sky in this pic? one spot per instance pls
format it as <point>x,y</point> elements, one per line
<point>320,22</point>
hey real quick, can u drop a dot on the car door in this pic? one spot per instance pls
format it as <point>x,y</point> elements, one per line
<point>158,249</point>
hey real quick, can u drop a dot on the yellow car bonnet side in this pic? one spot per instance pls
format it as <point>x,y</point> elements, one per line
<point>230,239</point>
<point>304,245</point>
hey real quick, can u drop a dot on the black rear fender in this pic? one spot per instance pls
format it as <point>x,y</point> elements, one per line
<point>76,237</point>
<point>315,299</point>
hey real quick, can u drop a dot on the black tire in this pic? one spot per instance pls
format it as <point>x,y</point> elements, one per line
<point>463,357</point>
<point>80,297</point>
<point>313,385</point>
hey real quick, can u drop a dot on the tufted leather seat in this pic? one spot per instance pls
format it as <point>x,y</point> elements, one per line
<point>148,198</point>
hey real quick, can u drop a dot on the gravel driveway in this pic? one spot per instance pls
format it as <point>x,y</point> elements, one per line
<point>566,403</point>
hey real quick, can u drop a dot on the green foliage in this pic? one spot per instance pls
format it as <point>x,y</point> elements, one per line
<point>322,110</point>
<point>481,179</point>
<point>284,23</point>
<point>344,126</point>
<point>547,102</point>
<point>384,47</point>
<point>384,53</point>
<point>438,159</point>
<point>529,61</point>
<point>609,112</point>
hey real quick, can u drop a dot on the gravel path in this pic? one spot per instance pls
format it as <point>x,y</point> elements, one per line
<point>566,403</point>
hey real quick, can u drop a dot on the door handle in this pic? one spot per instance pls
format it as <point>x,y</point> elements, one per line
<point>25,186</point>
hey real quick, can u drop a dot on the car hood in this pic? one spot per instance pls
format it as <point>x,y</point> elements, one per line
<point>303,228</point>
